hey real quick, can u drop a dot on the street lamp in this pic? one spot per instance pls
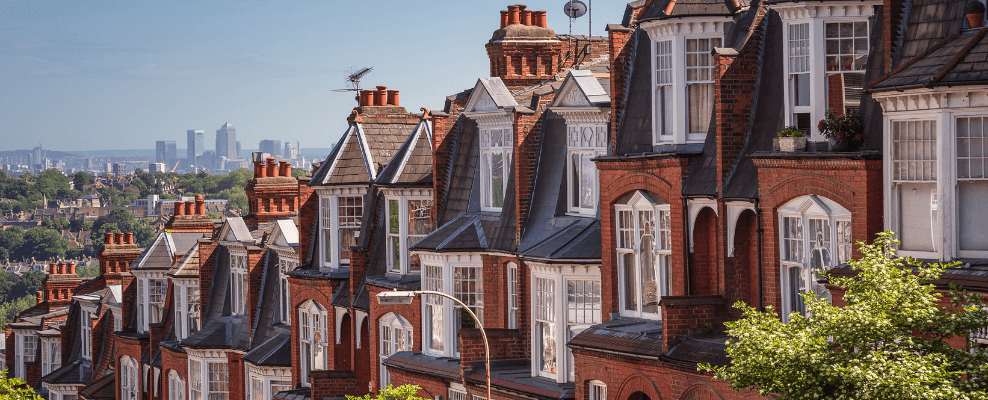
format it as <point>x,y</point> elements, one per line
<point>396,297</point>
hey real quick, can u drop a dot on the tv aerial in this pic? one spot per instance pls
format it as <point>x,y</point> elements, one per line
<point>575,9</point>
<point>354,81</point>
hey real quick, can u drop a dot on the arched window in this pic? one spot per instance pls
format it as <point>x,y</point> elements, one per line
<point>644,249</point>
<point>176,386</point>
<point>313,341</point>
<point>815,234</point>
<point>129,389</point>
<point>396,335</point>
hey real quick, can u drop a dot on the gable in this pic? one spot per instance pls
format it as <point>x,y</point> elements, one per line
<point>489,94</point>
<point>581,89</point>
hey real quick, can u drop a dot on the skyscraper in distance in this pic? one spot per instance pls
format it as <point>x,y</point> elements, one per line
<point>196,142</point>
<point>164,152</point>
<point>226,141</point>
<point>272,147</point>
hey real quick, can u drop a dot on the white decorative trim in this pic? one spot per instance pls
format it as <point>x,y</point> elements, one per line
<point>204,353</point>
<point>734,210</point>
<point>922,99</point>
<point>280,372</point>
<point>583,115</point>
<point>828,10</point>
<point>408,192</point>
<point>686,26</point>
<point>448,259</point>
<point>342,145</point>
<point>500,118</point>
<point>563,269</point>
<point>340,312</point>
<point>695,206</point>
<point>341,191</point>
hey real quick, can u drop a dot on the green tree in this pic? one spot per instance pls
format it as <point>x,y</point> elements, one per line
<point>15,388</point>
<point>53,183</point>
<point>27,285</point>
<point>888,342</point>
<point>98,233</point>
<point>80,179</point>
<point>89,271</point>
<point>403,392</point>
<point>42,244</point>
<point>10,240</point>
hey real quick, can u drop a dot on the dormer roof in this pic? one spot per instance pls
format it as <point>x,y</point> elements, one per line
<point>362,152</point>
<point>581,88</point>
<point>489,94</point>
<point>412,164</point>
<point>166,246</point>
<point>690,8</point>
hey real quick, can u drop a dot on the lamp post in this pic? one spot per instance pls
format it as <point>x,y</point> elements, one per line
<point>406,297</point>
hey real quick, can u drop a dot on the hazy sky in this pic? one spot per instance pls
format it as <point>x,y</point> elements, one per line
<point>88,75</point>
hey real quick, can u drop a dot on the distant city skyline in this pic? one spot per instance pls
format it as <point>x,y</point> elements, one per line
<point>100,75</point>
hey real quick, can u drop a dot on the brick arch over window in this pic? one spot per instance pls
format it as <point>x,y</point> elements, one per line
<point>342,354</point>
<point>703,277</point>
<point>807,184</point>
<point>635,383</point>
<point>637,181</point>
<point>701,391</point>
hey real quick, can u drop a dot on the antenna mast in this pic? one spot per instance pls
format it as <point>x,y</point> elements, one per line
<point>354,81</point>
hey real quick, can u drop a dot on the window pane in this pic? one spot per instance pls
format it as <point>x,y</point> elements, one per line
<point>630,282</point>
<point>419,217</point>
<point>650,288</point>
<point>348,239</point>
<point>545,313</point>
<point>588,176</point>
<point>394,223</point>
<point>583,302</point>
<point>917,216</point>
<point>972,215</point>
<point>497,180</point>
<point>700,98</point>
<point>843,241</point>
<point>796,286</point>
<point>792,237</point>
<point>914,147</point>
<point>575,172</point>
<point>394,249</point>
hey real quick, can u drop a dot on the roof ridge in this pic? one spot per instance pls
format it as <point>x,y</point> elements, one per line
<point>980,34</point>
<point>936,46</point>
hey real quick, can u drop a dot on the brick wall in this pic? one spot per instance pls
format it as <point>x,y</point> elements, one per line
<point>236,376</point>
<point>328,384</point>
<point>411,312</point>
<point>308,211</point>
<point>431,387</point>
<point>617,38</point>
<point>320,291</point>
<point>704,271</point>
<point>208,251</point>
<point>173,361</point>
<point>683,314</point>
<point>505,344</point>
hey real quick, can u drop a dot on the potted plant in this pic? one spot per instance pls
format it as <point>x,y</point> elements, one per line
<point>846,131</point>
<point>790,140</point>
<point>975,11</point>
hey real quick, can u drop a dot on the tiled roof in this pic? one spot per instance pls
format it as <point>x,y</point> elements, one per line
<point>416,362</point>
<point>74,372</point>
<point>516,376</point>
<point>689,8</point>
<point>274,352</point>
<point>412,164</point>
<point>102,389</point>
<point>959,59</point>
<point>623,335</point>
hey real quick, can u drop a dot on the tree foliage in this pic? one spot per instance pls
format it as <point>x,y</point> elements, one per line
<point>887,342</point>
<point>403,392</point>
<point>15,388</point>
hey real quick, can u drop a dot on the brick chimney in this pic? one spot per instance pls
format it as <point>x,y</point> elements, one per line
<point>273,195</point>
<point>524,51</point>
<point>115,258</point>
<point>57,287</point>
<point>190,216</point>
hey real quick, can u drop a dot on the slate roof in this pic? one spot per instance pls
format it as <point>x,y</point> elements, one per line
<point>689,8</point>
<point>416,362</point>
<point>161,252</point>
<point>220,329</point>
<point>412,164</point>
<point>516,376</point>
<point>578,242</point>
<point>405,282</point>
<point>76,371</point>
<point>623,335</point>
<point>362,153</point>
<point>188,265</point>
<point>701,350</point>
<point>587,84</point>
<point>926,22</point>
<point>102,389</point>
<point>466,232</point>
<point>958,60</point>
<point>275,352</point>
<point>634,133</point>
<point>266,314</point>
<point>970,277</point>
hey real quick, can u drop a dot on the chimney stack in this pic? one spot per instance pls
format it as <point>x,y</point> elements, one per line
<point>285,168</point>
<point>504,19</point>
<point>118,238</point>
<point>200,205</point>
<point>381,96</point>
<point>366,98</point>
<point>513,15</point>
<point>39,295</point>
<point>70,268</point>
<point>272,171</point>
<point>129,238</point>
<point>393,98</point>
<point>179,208</point>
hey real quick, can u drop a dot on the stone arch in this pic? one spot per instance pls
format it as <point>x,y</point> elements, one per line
<point>703,277</point>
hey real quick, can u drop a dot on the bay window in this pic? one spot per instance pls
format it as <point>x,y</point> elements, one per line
<point>583,144</point>
<point>495,164</point>
<point>186,307</point>
<point>815,236</point>
<point>27,349</point>
<point>847,54</point>
<point>433,325</point>
<point>972,185</point>
<point>51,356</point>
<point>238,284</point>
<point>565,301</point>
<point>313,341</point>
<point>263,383</point>
<point>339,225</point>
<point>209,375</point>
<point>461,278</point>
<point>644,249</point>
<point>396,335</point>
<point>914,184</point>
<point>409,220</point>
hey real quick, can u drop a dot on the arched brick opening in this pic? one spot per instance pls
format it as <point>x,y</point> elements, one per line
<point>639,396</point>
<point>701,392</point>
<point>342,358</point>
<point>362,362</point>
<point>703,261</point>
<point>741,270</point>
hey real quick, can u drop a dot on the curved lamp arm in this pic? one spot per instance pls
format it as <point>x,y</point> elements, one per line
<point>487,349</point>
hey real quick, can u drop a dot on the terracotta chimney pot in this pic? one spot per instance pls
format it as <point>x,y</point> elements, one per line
<point>670,6</point>
<point>381,96</point>
<point>178,208</point>
<point>393,98</point>
<point>539,19</point>
<point>188,208</point>
<point>200,205</point>
<point>272,172</point>
<point>285,168</point>
<point>504,19</point>
<point>53,268</point>
<point>512,15</point>
<point>107,238</point>
<point>70,268</point>
<point>366,98</point>
<point>257,173</point>
<point>39,295</point>
<point>129,238</point>
<point>526,17</point>
<point>60,269</point>
<point>118,238</point>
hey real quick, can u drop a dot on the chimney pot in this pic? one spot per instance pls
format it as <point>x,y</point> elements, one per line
<point>53,268</point>
<point>188,208</point>
<point>272,172</point>
<point>526,17</point>
<point>538,18</point>
<point>107,238</point>
<point>129,238</point>
<point>70,268</point>
<point>512,15</point>
<point>285,168</point>
<point>200,205</point>
<point>381,96</point>
<point>257,174</point>
<point>179,208</point>
<point>366,98</point>
<point>393,98</point>
<point>38,294</point>
<point>60,269</point>
<point>504,19</point>
<point>118,238</point>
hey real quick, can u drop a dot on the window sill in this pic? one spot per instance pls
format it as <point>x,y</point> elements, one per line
<point>852,155</point>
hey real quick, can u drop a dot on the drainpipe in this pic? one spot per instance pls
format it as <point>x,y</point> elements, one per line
<point>758,238</point>
<point>686,243</point>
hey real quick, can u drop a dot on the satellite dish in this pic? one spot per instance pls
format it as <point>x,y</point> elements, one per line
<point>575,8</point>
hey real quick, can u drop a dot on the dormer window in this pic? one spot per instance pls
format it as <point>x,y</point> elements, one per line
<point>238,284</point>
<point>151,300</point>
<point>186,307</point>
<point>585,143</point>
<point>340,219</point>
<point>495,163</point>
<point>409,219</point>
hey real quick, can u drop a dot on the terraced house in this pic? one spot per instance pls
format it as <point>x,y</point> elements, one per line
<point>598,203</point>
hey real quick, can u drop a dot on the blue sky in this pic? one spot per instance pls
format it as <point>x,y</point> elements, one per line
<point>89,75</point>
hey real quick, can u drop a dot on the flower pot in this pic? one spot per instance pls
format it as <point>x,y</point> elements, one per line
<point>841,145</point>
<point>976,20</point>
<point>789,144</point>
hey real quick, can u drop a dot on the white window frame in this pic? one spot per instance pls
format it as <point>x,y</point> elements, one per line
<point>816,16</point>
<point>262,383</point>
<point>200,387</point>
<point>804,210</point>
<point>488,149</point>
<point>457,391</point>
<point>395,336</point>
<point>147,300</point>
<point>664,95</point>
<point>330,225</point>
<point>187,312</point>
<point>662,251</point>
<point>598,390</point>
<point>51,355</point>
<point>582,150</point>
<point>284,314</point>
<point>313,338</point>
<point>176,386</point>
<point>513,299</point>
<point>438,274</point>
<point>130,388</point>
<point>24,340</point>
<point>86,333</point>
<point>710,70</point>
<point>239,284</point>
<point>550,304</point>
<point>405,240</point>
